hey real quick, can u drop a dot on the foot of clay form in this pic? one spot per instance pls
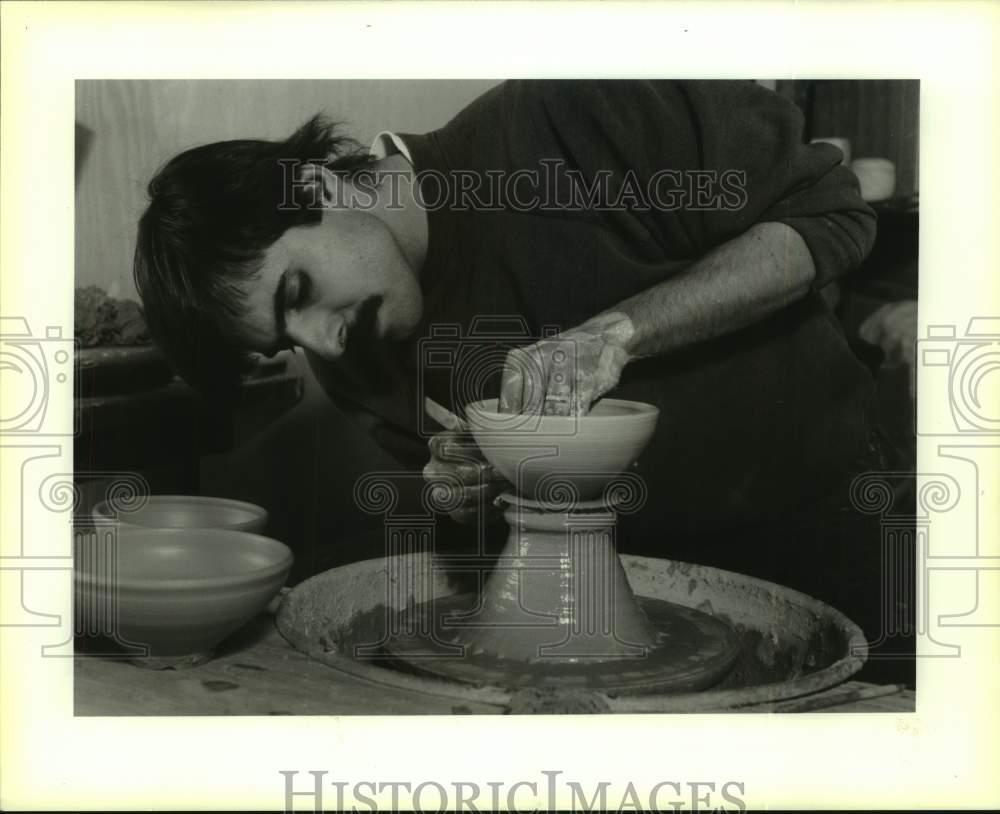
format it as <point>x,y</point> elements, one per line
<point>558,592</point>
<point>557,610</point>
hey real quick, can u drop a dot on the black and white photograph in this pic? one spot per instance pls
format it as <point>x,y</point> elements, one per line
<point>543,396</point>
<point>431,402</point>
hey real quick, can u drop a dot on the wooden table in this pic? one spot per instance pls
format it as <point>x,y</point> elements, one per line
<point>257,673</point>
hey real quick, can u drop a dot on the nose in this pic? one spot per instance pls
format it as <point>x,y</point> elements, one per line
<point>324,334</point>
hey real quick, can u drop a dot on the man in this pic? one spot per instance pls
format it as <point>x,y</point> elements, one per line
<point>667,240</point>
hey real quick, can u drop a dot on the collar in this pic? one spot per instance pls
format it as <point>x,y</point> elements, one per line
<point>388,143</point>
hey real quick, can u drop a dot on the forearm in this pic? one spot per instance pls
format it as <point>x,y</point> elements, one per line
<point>736,284</point>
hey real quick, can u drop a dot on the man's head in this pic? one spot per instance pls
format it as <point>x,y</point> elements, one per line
<point>241,252</point>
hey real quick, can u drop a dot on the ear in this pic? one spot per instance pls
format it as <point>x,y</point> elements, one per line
<point>320,186</point>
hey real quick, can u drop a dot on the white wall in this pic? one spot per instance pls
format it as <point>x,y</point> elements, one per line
<point>139,125</point>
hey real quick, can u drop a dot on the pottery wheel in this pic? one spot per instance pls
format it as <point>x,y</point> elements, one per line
<point>692,652</point>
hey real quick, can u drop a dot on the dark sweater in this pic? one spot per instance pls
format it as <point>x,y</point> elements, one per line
<point>754,424</point>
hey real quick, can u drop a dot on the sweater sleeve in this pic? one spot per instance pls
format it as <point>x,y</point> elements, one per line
<point>706,126</point>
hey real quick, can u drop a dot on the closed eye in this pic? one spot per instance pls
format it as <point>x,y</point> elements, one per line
<point>298,291</point>
<point>292,292</point>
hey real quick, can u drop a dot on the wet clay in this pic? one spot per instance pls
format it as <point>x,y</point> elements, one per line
<point>689,651</point>
<point>789,645</point>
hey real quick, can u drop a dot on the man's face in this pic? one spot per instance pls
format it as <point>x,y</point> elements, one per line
<point>324,286</point>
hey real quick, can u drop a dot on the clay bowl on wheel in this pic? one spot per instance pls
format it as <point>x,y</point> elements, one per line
<point>552,457</point>
<point>187,512</point>
<point>177,592</point>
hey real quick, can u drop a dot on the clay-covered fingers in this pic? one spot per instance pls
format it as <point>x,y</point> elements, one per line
<point>512,382</point>
<point>565,374</point>
<point>455,446</point>
<point>560,377</point>
<point>580,368</point>
<point>468,473</point>
<point>455,455</point>
<point>524,381</point>
<point>537,379</point>
<point>510,386</point>
<point>457,463</point>
<point>476,499</point>
<point>476,489</point>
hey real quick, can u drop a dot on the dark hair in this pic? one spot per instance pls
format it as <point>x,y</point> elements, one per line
<point>213,212</point>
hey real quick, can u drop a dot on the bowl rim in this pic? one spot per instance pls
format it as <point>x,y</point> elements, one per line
<point>255,513</point>
<point>196,582</point>
<point>640,409</point>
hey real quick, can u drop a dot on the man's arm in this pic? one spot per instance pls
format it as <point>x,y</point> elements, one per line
<point>707,300</point>
<point>801,225</point>
<point>643,128</point>
<point>736,284</point>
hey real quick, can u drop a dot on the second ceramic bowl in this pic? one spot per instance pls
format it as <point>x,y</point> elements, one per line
<point>187,512</point>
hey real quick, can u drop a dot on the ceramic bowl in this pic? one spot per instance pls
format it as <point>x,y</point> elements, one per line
<point>175,593</point>
<point>876,177</point>
<point>547,457</point>
<point>187,512</point>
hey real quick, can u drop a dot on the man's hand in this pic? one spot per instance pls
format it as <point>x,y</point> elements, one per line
<point>564,375</point>
<point>893,328</point>
<point>456,455</point>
